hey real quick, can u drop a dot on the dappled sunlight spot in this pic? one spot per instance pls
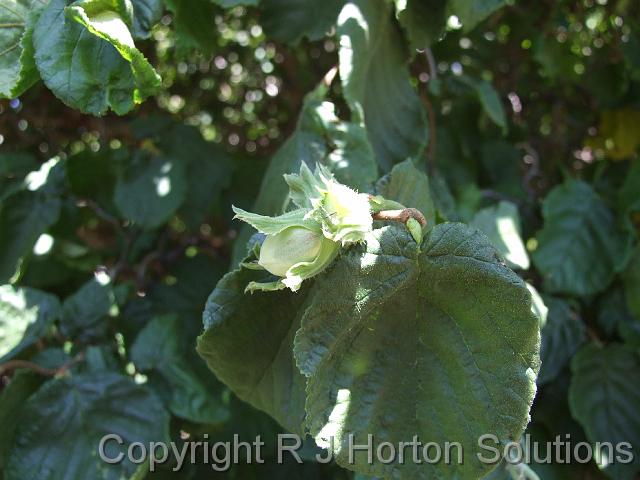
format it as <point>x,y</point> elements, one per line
<point>102,277</point>
<point>43,244</point>
<point>602,455</point>
<point>35,180</point>
<point>112,25</point>
<point>163,183</point>
<point>508,231</point>
<point>332,430</point>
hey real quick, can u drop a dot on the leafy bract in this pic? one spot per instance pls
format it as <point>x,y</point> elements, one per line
<point>78,412</point>
<point>604,396</point>
<point>418,342</point>
<point>81,66</point>
<point>291,20</point>
<point>562,334</point>
<point>248,343</point>
<point>581,246</point>
<point>17,68</point>
<point>376,83</point>
<point>320,137</point>
<point>25,316</point>
<point>160,351</point>
<point>501,223</point>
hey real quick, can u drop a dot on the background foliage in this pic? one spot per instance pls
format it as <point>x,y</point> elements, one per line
<point>122,149</point>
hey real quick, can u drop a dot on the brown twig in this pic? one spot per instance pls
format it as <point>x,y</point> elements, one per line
<point>401,216</point>
<point>12,365</point>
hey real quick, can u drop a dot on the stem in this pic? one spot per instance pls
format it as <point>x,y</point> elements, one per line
<point>401,216</point>
<point>12,365</point>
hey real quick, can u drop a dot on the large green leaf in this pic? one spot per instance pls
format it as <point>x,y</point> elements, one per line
<point>472,12</point>
<point>81,69</point>
<point>631,279</point>
<point>109,20</point>
<point>376,82</point>
<point>604,396</point>
<point>437,341</point>
<point>291,20</point>
<point>160,350</point>
<point>562,334</point>
<point>62,424</point>
<point>248,341</point>
<point>410,187</point>
<point>501,223</point>
<point>423,20</point>
<point>25,316</point>
<point>151,189</point>
<point>17,67</point>
<point>581,246</point>
<point>28,214</point>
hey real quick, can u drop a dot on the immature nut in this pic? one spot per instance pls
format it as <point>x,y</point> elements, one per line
<point>293,245</point>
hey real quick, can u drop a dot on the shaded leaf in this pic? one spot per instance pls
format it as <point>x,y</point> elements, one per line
<point>631,277</point>
<point>581,246</point>
<point>84,312</point>
<point>424,21</point>
<point>472,12</point>
<point>27,215</point>
<point>501,223</point>
<point>489,99</point>
<point>291,20</point>
<point>235,3</point>
<point>146,13</point>
<point>562,334</point>
<point>77,412</point>
<point>604,396</point>
<point>159,348</point>
<point>437,341</point>
<point>151,189</point>
<point>194,23</point>
<point>12,399</point>
<point>208,171</point>
<point>376,82</point>
<point>247,343</point>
